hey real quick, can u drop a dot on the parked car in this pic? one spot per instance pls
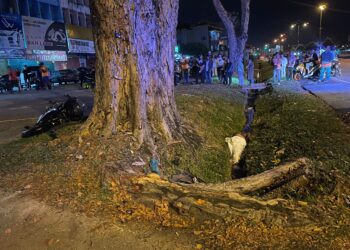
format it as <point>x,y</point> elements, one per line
<point>65,76</point>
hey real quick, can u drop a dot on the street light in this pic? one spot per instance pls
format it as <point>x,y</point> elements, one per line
<point>298,24</point>
<point>321,7</point>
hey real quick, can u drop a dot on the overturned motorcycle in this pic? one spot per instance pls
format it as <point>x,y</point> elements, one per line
<point>58,113</point>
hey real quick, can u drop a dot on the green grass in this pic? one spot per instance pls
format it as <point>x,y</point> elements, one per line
<point>289,126</point>
<point>214,112</point>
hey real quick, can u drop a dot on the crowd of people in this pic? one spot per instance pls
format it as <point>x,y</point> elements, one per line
<point>199,70</point>
<point>204,69</point>
<point>41,76</point>
<point>285,66</point>
<point>285,63</point>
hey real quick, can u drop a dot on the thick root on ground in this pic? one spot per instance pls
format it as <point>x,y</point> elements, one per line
<point>221,199</point>
<point>267,180</point>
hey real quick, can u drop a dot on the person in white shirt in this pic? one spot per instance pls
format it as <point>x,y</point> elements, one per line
<point>284,66</point>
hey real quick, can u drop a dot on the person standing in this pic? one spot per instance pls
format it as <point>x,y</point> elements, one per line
<point>277,65</point>
<point>13,80</point>
<point>25,72</point>
<point>45,76</point>
<point>196,69</point>
<point>284,62</point>
<point>220,65</point>
<point>290,66</point>
<point>215,66</point>
<point>185,66</point>
<point>82,74</point>
<point>229,72</point>
<point>209,69</point>
<point>201,69</point>
<point>326,64</point>
<point>223,78</point>
<point>250,70</point>
<point>314,56</point>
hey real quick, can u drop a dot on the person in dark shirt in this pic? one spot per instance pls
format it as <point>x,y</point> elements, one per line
<point>25,72</point>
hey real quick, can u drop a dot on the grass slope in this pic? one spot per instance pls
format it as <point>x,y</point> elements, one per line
<point>214,113</point>
<point>289,126</point>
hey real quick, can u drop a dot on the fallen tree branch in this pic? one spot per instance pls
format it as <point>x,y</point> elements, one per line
<point>218,199</point>
<point>268,179</point>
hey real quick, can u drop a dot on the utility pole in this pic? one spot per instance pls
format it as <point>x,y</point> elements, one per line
<point>322,8</point>
<point>297,25</point>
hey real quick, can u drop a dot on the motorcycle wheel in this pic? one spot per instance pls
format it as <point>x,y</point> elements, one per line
<point>297,76</point>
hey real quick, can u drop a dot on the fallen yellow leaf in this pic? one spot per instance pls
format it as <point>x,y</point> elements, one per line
<point>197,232</point>
<point>200,202</point>
<point>199,246</point>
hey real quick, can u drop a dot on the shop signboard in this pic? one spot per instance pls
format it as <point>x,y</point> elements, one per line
<point>43,34</point>
<point>11,32</point>
<point>81,46</point>
<point>12,53</point>
<point>45,55</point>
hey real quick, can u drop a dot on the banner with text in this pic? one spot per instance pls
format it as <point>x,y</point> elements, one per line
<point>12,53</point>
<point>46,55</point>
<point>81,46</point>
<point>11,32</point>
<point>43,34</point>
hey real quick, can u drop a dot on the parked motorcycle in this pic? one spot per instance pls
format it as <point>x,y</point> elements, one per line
<point>58,113</point>
<point>89,81</point>
<point>302,72</point>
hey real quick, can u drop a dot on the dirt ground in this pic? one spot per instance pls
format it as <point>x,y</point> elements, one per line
<point>29,224</point>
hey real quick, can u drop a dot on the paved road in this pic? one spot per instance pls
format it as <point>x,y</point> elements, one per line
<point>336,92</point>
<point>21,109</point>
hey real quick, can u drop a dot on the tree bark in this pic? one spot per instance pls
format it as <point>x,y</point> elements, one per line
<point>237,34</point>
<point>135,40</point>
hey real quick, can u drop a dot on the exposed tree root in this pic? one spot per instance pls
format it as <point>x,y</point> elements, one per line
<point>269,179</point>
<point>220,199</point>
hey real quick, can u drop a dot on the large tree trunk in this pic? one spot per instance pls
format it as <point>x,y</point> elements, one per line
<point>135,40</point>
<point>237,36</point>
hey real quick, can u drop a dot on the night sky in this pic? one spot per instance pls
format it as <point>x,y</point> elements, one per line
<point>272,17</point>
